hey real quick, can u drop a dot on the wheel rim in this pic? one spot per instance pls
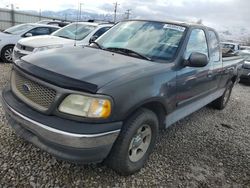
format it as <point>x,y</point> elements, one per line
<point>140,143</point>
<point>226,97</point>
<point>8,54</point>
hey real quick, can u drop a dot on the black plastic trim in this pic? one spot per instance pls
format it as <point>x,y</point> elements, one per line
<point>55,78</point>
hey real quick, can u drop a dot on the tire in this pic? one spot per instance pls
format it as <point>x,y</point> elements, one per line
<point>222,102</point>
<point>6,54</point>
<point>126,156</point>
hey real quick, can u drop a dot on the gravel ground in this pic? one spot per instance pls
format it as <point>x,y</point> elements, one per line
<point>207,149</point>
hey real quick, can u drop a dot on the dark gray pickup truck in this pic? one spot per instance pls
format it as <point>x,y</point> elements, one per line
<point>106,102</point>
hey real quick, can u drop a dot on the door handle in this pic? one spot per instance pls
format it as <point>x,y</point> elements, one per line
<point>229,69</point>
<point>210,74</point>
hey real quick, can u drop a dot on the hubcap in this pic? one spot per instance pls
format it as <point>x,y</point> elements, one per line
<point>140,143</point>
<point>8,54</point>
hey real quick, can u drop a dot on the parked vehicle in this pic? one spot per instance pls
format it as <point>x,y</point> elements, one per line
<point>74,34</point>
<point>245,73</point>
<point>108,101</point>
<point>245,51</point>
<point>230,49</point>
<point>54,22</point>
<point>9,37</point>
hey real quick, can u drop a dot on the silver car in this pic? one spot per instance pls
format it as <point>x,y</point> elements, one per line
<point>11,36</point>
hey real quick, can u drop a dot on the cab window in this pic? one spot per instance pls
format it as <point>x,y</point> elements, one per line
<point>197,43</point>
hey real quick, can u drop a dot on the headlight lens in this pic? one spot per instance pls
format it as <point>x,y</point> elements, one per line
<point>47,48</point>
<point>84,106</point>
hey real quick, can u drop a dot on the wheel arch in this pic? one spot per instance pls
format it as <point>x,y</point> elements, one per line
<point>156,105</point>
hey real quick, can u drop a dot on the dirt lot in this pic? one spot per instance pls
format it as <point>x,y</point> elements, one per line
<point>207,149</point>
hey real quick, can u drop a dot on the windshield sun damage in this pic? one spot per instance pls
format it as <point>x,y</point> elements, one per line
<point>154,40</point>
<point>75,31</point>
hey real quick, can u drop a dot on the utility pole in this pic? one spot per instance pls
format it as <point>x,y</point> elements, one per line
<point>115,11</point>
<point>80,17</point>
<point>128,13</point>
<point>65,16</point>
<point>12,13</point>
<point>40,14</point>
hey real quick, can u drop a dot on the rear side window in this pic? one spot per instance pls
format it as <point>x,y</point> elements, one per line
<point>214,47</point>
<point>101,31</point>
<point>197,43</point>
<point>40,31</point>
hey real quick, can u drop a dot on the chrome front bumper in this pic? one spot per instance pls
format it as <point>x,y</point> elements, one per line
<point>81,141</point>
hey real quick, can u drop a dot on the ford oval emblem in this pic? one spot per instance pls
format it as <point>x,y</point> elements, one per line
<point>26,88</point>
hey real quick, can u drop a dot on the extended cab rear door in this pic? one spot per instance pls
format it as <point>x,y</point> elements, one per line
<point>215,57</point>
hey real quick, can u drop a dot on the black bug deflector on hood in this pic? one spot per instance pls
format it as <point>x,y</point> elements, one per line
<point>55,78</point>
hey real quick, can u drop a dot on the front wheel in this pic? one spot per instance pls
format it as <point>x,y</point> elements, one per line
<point>222,102</point>
<point>135,143</point>
<point>6,54</point>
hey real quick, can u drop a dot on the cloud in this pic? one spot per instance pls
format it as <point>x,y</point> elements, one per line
<point>220,12</point>
<point>214,12</point>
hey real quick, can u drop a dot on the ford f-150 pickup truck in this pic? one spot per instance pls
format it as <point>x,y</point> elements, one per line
<point>107,101</point>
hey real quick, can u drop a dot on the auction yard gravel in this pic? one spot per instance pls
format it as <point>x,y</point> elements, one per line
<point>210,148</point>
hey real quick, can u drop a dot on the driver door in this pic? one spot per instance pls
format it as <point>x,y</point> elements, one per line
<point>194,83</point>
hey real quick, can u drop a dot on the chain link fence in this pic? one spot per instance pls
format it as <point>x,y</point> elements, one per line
<point>12,17</point>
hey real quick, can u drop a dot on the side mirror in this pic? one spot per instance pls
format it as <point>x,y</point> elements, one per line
<point>92,39</point>
<point>28,35</point>
<point>197,59</point>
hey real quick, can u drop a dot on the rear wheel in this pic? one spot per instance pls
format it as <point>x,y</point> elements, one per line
<point>6,54</point>
<point>135,143</point>
<point>222,102</point>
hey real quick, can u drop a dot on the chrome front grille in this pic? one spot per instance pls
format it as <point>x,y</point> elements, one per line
<point>32,93</point>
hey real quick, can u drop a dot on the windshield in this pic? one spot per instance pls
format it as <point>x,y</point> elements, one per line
<point>75,31</point>
<point>155,40</point>
<point>19,29</point>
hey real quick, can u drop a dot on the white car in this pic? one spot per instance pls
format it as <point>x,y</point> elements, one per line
<point>11,36</point>
<point>81,33</point>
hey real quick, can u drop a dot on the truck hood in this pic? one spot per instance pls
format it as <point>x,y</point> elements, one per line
<point>47,40</point>
<point>88,65</point>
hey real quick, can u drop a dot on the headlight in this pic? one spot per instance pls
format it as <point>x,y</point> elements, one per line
<point>47,48</point>
<point>84,106</point>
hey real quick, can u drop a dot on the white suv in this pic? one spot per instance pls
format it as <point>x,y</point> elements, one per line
<point>81,33</point>
<point>11,36</point>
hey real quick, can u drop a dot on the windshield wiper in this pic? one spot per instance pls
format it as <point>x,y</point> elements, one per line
<point>129,52</point>
<point>7,32</point>
<point>64,37</point>
<point>97,44</point>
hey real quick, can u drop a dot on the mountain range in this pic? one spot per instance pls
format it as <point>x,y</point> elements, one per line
<point>233,33</point>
